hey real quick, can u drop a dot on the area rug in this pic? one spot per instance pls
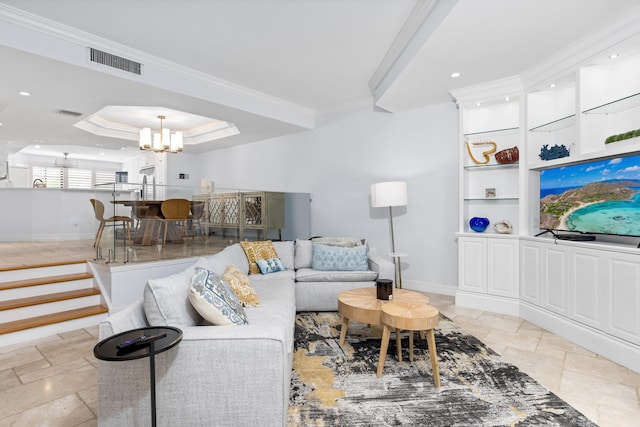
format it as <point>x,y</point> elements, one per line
<point>337,386</point>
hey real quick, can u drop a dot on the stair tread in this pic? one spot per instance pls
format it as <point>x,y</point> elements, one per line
<point>48,319</point>
<point>42,265</point>
<point>45,280</point>
<point>47,298</point>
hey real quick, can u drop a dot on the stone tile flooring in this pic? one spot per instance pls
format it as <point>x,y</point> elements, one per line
<point>52,381</point>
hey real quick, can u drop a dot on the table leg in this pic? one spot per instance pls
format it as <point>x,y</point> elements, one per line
<point>410,346</point>
<point>399,345</point>
<point>431,340</point>
<point>384,346</point>
<point>152,376</point>
<point>343,331</point>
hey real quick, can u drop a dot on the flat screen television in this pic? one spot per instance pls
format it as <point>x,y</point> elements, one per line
<point>595,197</point>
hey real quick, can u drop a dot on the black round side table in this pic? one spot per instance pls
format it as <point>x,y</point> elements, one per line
<point>138,344</point>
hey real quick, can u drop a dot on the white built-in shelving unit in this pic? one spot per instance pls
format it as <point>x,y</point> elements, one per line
<point>588,292</point>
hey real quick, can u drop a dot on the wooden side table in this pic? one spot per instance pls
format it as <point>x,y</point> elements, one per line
<point>152,340</point>
<point>363,305</point>
<point>410,316</point>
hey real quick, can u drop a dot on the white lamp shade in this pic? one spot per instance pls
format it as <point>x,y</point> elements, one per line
<point>384,194</point>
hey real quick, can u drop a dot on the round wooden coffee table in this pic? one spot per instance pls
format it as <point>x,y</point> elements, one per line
<point>410,316</point>
<point>362,305</point>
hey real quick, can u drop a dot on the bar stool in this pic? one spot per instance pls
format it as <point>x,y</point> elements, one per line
<point>409,316</point>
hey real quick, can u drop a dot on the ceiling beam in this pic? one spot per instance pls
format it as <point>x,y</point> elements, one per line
<point>423,21</point>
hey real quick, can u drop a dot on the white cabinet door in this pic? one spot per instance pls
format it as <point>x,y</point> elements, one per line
<point>586,276</point>
<point>472,264</point>
<point>555,279</point>
<point>531,272</point>
<point>623,286</point>
<point>503,266</point>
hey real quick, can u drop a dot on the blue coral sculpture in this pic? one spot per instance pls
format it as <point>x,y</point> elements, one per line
<point>555,152</point>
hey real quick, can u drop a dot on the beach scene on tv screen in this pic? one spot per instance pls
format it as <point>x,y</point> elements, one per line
<point>600,196</point>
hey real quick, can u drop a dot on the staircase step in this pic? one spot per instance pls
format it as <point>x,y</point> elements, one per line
<point>8,274</point>
<point>44,299</point>
<point>34,322</point>
<point>44,280</point>
<point>43,265</point>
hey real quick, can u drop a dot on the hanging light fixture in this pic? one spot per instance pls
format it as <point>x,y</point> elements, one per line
<point>161,141</point>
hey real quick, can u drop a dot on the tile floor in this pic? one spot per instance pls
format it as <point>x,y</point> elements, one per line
<point>52,381</point>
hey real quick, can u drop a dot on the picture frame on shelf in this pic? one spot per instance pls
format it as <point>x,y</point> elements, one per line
<point>490,193</point>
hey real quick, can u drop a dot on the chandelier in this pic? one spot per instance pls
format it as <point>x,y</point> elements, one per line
<point>162,141</point>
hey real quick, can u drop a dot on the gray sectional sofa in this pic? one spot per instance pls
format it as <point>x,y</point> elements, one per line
<point>223,375</point>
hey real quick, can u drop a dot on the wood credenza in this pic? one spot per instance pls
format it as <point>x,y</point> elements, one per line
<point>258,210</point>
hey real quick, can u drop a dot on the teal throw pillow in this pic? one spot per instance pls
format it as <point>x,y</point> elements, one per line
<point>214,300</point>
<point>270,265</point>
<point>334,258</point>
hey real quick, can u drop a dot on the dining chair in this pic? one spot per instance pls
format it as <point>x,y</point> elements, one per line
<point>197,210</point>
<point>98,210</point>
<point>176,211</point>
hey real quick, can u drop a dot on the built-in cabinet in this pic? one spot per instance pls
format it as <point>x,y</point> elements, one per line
<point>588,292</point>
<point>594,287</point>
<point>489,266</point>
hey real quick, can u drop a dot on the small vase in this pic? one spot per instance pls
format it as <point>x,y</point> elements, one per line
<point>478,224</point>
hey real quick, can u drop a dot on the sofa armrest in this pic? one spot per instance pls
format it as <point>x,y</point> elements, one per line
<point>131,317</point>
<point>384,268</point>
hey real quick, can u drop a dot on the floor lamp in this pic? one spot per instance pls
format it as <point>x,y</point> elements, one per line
<point>390,194</point>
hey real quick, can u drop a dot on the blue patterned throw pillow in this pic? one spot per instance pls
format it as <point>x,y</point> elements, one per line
<point>334,258</point>
<point>214,299</point>
<point>270,265</point>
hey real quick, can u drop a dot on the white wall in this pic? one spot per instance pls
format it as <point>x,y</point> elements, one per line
<point>337,162</point>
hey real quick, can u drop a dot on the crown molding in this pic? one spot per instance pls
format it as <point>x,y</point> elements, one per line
<point>593,48</point>
<point>183,78</point>
<point>488,91</point>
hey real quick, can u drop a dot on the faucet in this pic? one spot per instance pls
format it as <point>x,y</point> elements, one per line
<point>38,183</point>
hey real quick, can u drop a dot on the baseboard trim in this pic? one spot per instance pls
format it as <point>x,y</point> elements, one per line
<point>491,303</point>
<point>615,349</point>
<point>429,288</point>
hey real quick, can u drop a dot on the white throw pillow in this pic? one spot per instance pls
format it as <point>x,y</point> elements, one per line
<point>214,299</point>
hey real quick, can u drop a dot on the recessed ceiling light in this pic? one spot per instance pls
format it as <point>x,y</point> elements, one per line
<point>0,124</point>
<point>552,85</point>
<point>613,56</point>
<point>477,104</point>
<point>506,98</point>
<point>23,93</point>
<point>37,146</point>
<point>455,75</point>
<point>102,154</point>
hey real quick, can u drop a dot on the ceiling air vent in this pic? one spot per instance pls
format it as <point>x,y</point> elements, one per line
<point>114,61</point>
<point>69,113</point>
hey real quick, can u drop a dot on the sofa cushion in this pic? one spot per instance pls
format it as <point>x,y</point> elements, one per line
<point>344,242</point>
<point>285,251</point>
<point>258,250</point>
<point>335,258</point>
<point>230,255</point>
<point>271,265</point>
<point>304,252</point>
<point>166,302</point>
<point>311,275</point>
<point>240,284</point>
<point>214,299</point>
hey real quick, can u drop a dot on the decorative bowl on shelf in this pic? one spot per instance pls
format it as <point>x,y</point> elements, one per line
<point>478,224</point>
<point>510,155</point>
<point>503,227</point>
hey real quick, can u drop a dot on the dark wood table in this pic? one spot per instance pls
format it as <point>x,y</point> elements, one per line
<point>147,232</point>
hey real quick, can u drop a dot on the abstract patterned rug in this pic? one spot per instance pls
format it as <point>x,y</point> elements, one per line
<point>337,386</point>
